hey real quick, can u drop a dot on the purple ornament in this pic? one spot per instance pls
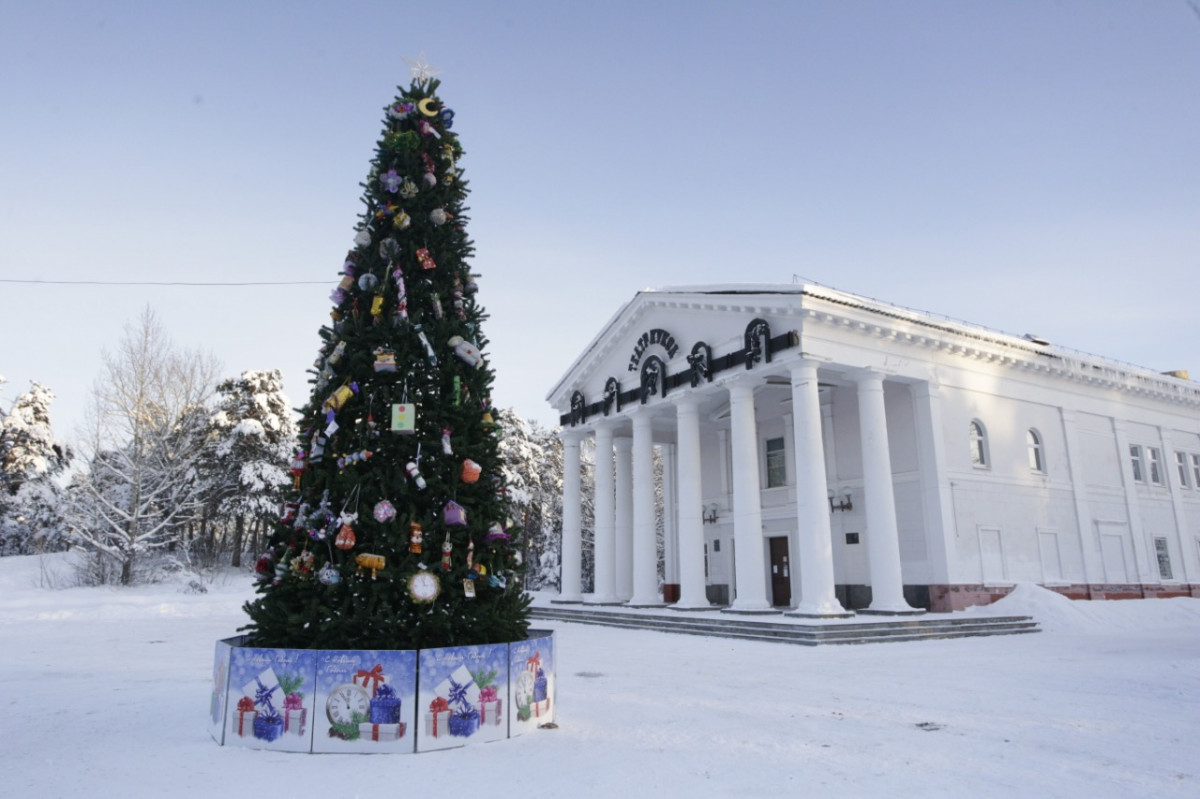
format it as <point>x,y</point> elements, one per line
<point>391,181</point>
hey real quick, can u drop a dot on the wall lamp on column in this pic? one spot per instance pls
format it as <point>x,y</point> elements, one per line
<point>845,503</point>
<point>709,513</point>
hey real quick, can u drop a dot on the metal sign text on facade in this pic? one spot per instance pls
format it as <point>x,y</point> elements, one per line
<point>655,336</point>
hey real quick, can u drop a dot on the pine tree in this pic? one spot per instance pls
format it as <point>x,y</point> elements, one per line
<point>30,460</point>
<point>399,478</point>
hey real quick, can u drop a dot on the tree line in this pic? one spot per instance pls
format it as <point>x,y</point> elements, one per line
<point>175,469</point>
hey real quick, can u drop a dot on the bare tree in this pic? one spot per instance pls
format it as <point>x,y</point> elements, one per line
<point>143,437</point>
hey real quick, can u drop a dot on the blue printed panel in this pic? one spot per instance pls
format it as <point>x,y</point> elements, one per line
<point>462,697</point>
<point>531,684</point>
<point>270,699</point>
<point>365,701</point>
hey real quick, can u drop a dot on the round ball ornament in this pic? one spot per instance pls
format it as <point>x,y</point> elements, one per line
<point>362,238</point>
<point>368,282</point>
<point>439,217</point>
<point>328,575</point>
<point>384,511</point>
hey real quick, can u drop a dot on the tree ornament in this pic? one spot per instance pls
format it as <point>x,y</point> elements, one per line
<point>368,282</point>
<point>404,418</point>
<point>467,351</point>
<point>439,217</point>
<point>446,448</point>
<point>471,570</point>
<point>447,548</point>
<point>415,536</point>
<point>412,471</point>
<point>402,221</point>
<point>470,471</point>
<point>362,238</point>
<point>454,515</point>
<point>425,259</point>
<point>385,357</point>
<point>290,511</point>
<point>447,116</point>
<point>345,537</point>
<point>389,249</point>
<point>429,179</point>
<point>302,565</point>
<point>401,110</point>
<point>298,466</point>
<point>426,129</point>
<point>435,301</point>
<point>384,511</point>
<point>386,210</point>
<point>430,355</point>
<point>264,567</point>
<point>401,296</point>
<point>328,575</point>
<point>408,189</point>
<point>391,181</point>
<point>424,586</point>
<point>368,562</point>
<point>377,308</point>
<point>428,107</point>
<point>496,533</point>
<point>340,397</point>
<point>337,354</point>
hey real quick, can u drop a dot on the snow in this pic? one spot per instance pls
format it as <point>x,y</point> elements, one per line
<point>106,693</point>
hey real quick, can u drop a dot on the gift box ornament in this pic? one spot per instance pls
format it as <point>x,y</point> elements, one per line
<point>425,259</point>
<point>404,418</point>
<point>381,732</point>
<point>268,727</point>
<point>464,723</point>
<point>295,715</point>
<point>385,706</point>
<point>385,357</point>
<point>454,515</point>
<point>437,720</point>
<point>243,718</point>
<point>489,707</point>
<point>384,511</point>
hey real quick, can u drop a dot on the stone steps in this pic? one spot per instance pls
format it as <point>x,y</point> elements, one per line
<point>793,632</point>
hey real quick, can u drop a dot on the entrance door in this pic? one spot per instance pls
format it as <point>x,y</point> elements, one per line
<point>781,572</point>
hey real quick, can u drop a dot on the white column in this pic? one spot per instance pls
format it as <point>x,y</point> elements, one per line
<point>750,572</point>
<point>936,506</point>
<point>604,532</point>
<point>815,538</point>
<point>569,587</point>
<point>883,537</point>
<point>624,518</point>
<point>670,526</point>
<point>690,493</point>
<point>645,552</point>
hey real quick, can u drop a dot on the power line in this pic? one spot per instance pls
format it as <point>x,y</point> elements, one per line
<point>162,282</point>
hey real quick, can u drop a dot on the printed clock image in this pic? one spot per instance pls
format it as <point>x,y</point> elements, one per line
<point>424,586</point>
<point>525,685</point>
<point>345,701</point>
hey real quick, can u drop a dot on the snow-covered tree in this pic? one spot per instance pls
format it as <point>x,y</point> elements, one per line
<point>30,460</point>
<point>143,445</point>
<point>533,471</point>
<point>250,438</point>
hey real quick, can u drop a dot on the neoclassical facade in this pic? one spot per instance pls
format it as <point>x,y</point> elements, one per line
<point>825,454</point>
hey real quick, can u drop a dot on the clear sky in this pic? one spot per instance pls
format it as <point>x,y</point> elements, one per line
<point>1027,166</point>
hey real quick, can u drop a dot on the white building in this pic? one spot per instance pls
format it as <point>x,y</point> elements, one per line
<point>825,453</point>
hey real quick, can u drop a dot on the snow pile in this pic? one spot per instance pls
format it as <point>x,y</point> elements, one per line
<point>1055,612</point>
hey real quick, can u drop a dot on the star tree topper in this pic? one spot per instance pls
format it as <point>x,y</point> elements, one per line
<point>420,68</point>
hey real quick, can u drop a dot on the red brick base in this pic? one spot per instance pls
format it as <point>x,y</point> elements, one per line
<point>947,598</point>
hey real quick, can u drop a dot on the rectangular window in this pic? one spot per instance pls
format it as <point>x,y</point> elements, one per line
<point>1164,558</point>
<point>776,463</point>
<point>1196,471</point>
<point>1181,463</point>
<point>1135,461</point>
<point>1155,458</point>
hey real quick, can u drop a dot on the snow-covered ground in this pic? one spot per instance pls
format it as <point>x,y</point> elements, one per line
<point>105,692</point>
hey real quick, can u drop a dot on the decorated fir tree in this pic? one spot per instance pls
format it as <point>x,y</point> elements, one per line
<point>397,536</point>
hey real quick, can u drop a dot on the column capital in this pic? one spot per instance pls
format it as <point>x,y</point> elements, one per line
<point>866,376</point>
<point>622,443</point>
<point>572,435</point>
<point>687,400</point>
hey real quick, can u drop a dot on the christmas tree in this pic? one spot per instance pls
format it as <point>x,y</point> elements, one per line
<point>397,537</point>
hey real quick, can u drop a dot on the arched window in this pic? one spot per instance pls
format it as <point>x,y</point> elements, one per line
<point>1037,459</point>
<point>979,449</point>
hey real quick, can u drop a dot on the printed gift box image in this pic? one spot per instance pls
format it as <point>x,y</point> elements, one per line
<point>531,664</point>
<point>460,698</point>
<point>365,701</point>
<point>269,693</point>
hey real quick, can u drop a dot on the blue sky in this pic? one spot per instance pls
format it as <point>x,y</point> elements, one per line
<point>1027,166</point>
